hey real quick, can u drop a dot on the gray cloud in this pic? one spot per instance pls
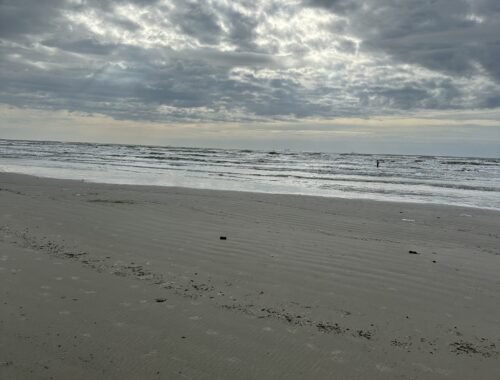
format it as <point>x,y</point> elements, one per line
<point>85,46</point>
<point>19,18</point>
<point>449,36</point>
<point>197,19</point>
<point>197,60</point>
<point>337,6</point>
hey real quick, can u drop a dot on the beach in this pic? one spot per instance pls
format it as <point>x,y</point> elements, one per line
<point>106,281</point>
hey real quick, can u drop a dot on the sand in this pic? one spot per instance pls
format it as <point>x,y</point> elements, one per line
<point>129,282</point>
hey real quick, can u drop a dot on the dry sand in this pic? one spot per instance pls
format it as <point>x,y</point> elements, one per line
<point>128,282</point>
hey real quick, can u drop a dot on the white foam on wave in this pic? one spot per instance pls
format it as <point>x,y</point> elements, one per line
<point>462,181</point>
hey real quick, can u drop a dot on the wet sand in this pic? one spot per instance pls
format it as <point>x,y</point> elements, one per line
<point>128,282</point>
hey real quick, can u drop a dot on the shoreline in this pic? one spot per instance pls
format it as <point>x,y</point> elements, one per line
<point>130,281</point>
<point>334,198</point>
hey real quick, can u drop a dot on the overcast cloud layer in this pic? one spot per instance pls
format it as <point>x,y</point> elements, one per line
<point>245,61</point>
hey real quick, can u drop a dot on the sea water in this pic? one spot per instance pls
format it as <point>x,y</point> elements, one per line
<point>464,181</point>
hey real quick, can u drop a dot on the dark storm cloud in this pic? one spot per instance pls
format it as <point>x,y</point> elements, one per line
<point>449,36</point>
<point>30,17</point>
<point>132,92</point>
<point>85,46</point>
<point>19,18</point>
<point>165,60</point>
<point>337,6</point>
<point>241,29</point>
<point>198,20</point>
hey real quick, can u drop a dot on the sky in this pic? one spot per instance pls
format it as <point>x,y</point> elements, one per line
<point>386,76</point>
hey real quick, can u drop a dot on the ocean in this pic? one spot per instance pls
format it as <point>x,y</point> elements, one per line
<point>463,181</point>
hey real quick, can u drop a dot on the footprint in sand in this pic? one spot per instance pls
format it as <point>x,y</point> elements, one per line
<point>150,354</point>
<point>65,312</point>
<point>337,356</point>
<point>442,372</point>
<point>311,346</point>
<point>383,368</point>
<point>422,367</point>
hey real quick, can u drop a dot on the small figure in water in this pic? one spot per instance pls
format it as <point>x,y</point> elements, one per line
<point>378,163</point>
